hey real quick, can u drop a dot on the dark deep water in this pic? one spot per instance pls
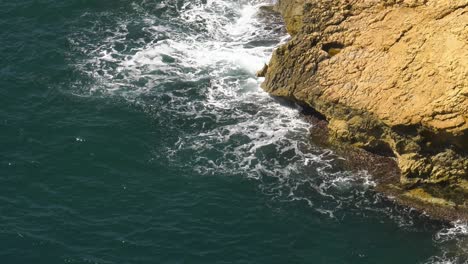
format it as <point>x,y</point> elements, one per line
<point>136,132</point>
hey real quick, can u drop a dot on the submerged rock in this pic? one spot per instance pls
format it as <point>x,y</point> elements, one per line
<point>389,76</point>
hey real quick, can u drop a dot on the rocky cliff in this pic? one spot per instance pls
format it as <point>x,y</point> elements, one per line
<point>389,76</point>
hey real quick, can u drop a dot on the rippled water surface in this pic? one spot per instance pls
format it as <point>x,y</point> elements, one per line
<point>136,132</point>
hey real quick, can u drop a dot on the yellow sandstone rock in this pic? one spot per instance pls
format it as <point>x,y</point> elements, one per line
<point>390,76</point>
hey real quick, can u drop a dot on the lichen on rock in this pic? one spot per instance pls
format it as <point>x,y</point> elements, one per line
<point>390,76</point>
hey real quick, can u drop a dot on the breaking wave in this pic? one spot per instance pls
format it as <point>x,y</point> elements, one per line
<point>191,66</point>
<point>194,72</point>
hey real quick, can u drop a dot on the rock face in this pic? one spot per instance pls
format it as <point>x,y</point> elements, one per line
<point>389,76</point>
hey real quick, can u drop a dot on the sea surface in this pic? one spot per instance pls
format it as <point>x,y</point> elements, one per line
<point>135,131</point>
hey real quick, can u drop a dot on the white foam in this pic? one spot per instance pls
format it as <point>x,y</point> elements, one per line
<point>253,136</point>
<point>452,241</point>
<point>457,230</point>
<point>235,128</point>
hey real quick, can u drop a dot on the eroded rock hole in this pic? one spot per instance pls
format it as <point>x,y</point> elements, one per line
<point>332,48</point>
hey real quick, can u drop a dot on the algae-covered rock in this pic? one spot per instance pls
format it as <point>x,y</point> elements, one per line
<point>390,76</point>
<point>422,195</point>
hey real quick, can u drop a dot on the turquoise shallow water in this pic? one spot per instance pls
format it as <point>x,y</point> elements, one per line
<point>136,132</point>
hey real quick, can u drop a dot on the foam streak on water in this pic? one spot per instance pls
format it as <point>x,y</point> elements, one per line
<point>453,241</point>
<point>192,67</point>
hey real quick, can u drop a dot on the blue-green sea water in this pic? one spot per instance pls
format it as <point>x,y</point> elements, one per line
<point>135,131</point>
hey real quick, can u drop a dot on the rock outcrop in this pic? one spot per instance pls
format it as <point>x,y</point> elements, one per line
<point>389,76</point>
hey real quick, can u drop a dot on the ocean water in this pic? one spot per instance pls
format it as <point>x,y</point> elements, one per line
<point>136,132</point>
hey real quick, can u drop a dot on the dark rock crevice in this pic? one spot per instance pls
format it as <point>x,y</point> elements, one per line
<point>332,48</point>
